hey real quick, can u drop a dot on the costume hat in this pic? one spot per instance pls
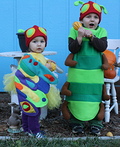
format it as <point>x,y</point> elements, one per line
<point>90,7</point>
<point>33,32</point>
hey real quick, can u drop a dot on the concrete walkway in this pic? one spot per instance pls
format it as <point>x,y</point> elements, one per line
<point>68,138</point>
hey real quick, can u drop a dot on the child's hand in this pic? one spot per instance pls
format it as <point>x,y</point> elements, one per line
<point>48,61</point>
<point>51,65</point>
<point>87,33</point>
<point>81,32</point>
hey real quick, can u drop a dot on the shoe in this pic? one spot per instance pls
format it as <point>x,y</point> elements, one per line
<point>77,130</point>
<point>38,135</point>
<point>95,130</point>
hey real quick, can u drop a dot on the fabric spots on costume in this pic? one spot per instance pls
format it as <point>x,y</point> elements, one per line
<point>30,32</point>
<point>85,8</point>
<point>42,30</point>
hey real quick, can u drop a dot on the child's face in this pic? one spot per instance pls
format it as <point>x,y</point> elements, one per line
<point>37,44</point>
<point>91,21</point>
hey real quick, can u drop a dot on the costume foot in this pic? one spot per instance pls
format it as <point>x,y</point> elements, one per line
<point>66,92</point>
<point>71,63</point>
<point>106,97</point>
<point>65,111</point>
<point>105,67</point>
<point>101,113</point>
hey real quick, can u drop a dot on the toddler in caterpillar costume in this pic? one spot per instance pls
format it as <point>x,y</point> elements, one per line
<point>86,78</point>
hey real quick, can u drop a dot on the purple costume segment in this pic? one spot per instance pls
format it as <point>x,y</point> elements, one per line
<point>31,123</point>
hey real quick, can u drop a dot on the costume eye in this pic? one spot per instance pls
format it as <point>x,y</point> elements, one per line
<point>85,8</point>
<point>30,32</point>
<point>97,7</point>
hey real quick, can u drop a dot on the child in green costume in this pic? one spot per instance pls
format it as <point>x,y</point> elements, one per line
<point>86,78</point>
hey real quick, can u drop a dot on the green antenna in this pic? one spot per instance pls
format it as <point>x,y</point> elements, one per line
<point>78,2</point>
<point>104,9</point>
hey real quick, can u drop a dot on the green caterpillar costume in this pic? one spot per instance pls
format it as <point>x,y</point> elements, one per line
<point>86,78</point>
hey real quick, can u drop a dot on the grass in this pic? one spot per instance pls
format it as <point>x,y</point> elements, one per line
<point>31,142</point>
